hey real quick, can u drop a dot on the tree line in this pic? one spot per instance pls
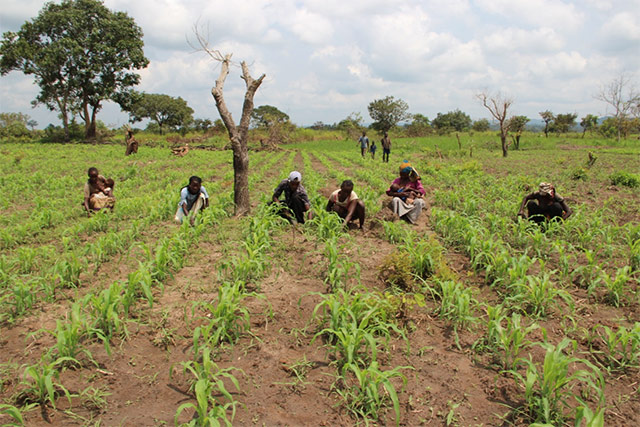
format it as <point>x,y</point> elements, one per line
<point>82,54</point>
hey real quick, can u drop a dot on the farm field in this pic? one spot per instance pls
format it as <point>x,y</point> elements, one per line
<point>468,318</point>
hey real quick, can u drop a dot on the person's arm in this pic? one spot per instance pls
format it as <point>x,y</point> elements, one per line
<point>351,208</point>
<point>278,191</point>
<point>87,196</point>
<point>526,198</point>
<point>304,197</point>
<point>419,190</point>
<point>183,201</point>
<point>567,210</point>
<point>330,204</point>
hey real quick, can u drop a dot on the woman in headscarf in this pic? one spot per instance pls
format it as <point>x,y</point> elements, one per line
<point>407,193</point>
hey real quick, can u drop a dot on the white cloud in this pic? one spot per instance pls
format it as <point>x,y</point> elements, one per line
<point>310,27</point>
<point>622,32</point>
<point>506,40</point>
<point>537,13</point>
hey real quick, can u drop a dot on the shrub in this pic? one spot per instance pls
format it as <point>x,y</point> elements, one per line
<point>625,178</point>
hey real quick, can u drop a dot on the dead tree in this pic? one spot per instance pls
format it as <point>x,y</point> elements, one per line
<point>238,135</point>
<point>498,106</point>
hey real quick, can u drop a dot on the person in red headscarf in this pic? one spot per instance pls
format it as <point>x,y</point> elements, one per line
<point>544,205</point>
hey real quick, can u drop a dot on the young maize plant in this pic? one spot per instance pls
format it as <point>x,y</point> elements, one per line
<point>621,350</point>
<point>69,334</point>
<point>206,385</point>
<point>224,321</point>
<point>367,390</point>
<point>506,342</point>
<point>537,295</point>
<point>617,287</point>
<point>42,382</point>
<point>107,316</point>
<point>456,302</point>
<point>549,388</point>
<point>67,270</point>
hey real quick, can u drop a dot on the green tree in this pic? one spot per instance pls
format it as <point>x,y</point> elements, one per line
<point>351,125</point>
<point>387,113</point>
<point>80,54</point>
<point>481,125</point>
<point>202,125</point>
<point>268,115</point>
<point>453,120</point>
<point>588,123</point>
<point>564,122</point>
<point>14,125</point>
<point>516,126</point>
<point>548,118</point>
<point>419,126</point>
<point>165,110</point>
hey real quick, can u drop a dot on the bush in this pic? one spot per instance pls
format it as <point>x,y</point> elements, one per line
<point>625,178</point>
<point>579,174</point>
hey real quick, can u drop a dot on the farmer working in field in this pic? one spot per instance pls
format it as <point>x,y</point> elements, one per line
<point>98,192</point>
<point>193,198</point>
<point>346,204</point>
<point>544,205</point>
<point>132,144</point>
<point>407,192</point>
<point>295,200</point>
<point>364,143</point>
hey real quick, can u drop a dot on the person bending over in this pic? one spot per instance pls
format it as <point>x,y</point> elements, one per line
<point>193,198</point>
<point>344,201</point>
<point>544,205</point>
<point>295,200</point>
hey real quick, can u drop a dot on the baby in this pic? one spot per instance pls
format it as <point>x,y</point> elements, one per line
<point>398,189</point>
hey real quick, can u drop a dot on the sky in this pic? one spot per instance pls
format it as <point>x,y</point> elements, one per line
<point>325,59</point>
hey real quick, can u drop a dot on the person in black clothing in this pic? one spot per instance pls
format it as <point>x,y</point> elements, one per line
<point>544,205</point>
<point>295,201</point>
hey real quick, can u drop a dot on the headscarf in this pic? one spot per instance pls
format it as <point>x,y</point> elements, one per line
<point>405,167</point>
<point>547,189</point>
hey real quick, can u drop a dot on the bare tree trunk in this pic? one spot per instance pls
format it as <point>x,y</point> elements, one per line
<point>459,143</point>
<point>65,119</point>
<point>503,140</point>
<point>238,135</point>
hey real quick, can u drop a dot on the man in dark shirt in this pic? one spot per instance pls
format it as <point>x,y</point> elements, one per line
<point>295,197</point>
<point>544,205</point>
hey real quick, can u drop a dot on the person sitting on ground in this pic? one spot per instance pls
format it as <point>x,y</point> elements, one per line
<point>407,193</point>
<point>193,198</point>
<point>98,192</point>
<point>344,201</point>
<point>132,144</point>
<point>295,198</point>
<point>544,205</point>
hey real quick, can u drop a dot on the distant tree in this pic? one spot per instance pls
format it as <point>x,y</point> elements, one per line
<point>202,125</point>
<point>268,115</point>
<point>498,106</point>
<point>452,121</point>
<point>165,110</point>
<point>481,125</point>
<point>80,54</point>
<point>387,113</point>
<point>588,123</point>
<point>351,125</point>
<point>419,126</point>
<point>548,118</point>
<point>622,96</point>
<point>564,122</point>
<point>219,126</point>
<point>14,125</point>
<point>516,126</point>
<point>32,124</point>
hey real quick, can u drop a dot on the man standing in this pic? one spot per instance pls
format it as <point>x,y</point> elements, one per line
<point>386,147</point>
<point>295,198</point>
<point>364,143</point>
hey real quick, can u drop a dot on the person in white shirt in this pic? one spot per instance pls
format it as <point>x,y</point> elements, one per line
<point>193,198</point>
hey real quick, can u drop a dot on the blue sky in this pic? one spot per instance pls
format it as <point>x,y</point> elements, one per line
<point>325,59</point>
